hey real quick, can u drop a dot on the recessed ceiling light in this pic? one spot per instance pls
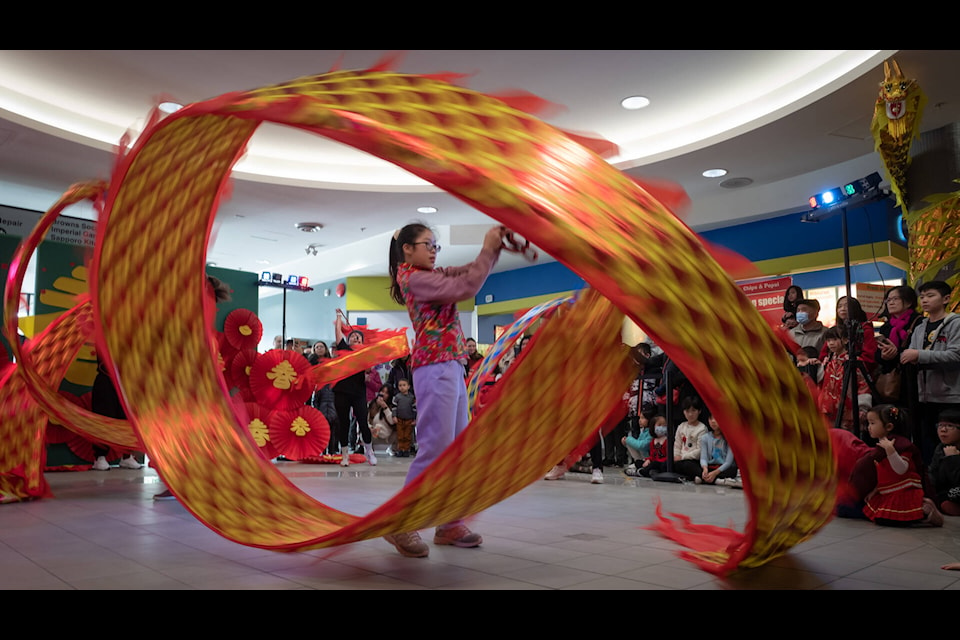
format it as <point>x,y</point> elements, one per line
<point>427,210</point>
<point>309,227</point>
<point>714,173</point>
<point>169,107</point>
<point>634,102</point>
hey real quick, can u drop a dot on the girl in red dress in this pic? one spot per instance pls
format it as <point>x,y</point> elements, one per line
<point>898,498</point>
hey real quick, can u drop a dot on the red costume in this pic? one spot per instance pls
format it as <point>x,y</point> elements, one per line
<point>897,497</point>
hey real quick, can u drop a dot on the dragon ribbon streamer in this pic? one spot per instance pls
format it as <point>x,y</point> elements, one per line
<point>549,187</point>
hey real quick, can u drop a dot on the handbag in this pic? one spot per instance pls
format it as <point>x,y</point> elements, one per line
<point>888,385</point>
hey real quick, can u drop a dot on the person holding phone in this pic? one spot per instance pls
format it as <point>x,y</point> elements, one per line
<point>893,338</point>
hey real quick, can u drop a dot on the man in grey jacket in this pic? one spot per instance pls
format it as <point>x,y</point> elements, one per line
<point>935,348</point>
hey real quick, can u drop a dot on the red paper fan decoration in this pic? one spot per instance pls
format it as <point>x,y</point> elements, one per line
<point>57,434</point>
<point>225,354</point>
<point>258,423</point>
<point>83,448</point>
<point>279,380</point>
<point>303,433</point>
<point>241,366</point>
<point>243,329</point>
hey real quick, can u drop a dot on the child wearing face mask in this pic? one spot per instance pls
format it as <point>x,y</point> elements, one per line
<point>657,460</point>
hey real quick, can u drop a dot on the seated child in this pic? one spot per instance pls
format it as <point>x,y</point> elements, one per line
<point>716,457</point>
<point>945,463</point>
<point>657,460</point>
<point>687,440</point>
<point>638,443</point>
<point>897,499</point>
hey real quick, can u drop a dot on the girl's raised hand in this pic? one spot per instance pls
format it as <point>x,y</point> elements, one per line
<point>887,445</point>
<point>494,238</point>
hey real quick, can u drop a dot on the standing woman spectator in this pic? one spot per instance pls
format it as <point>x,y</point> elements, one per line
<point>351,394</point>
<point>902,319</point>
<point>791,297</point>
<point>865,337</point>
<point>323,399</point>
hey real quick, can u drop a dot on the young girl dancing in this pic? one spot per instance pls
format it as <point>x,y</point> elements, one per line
<point>431,295</point>
<point>897,498</point>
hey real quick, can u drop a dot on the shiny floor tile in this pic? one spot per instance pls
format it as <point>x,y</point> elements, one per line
<point>103,530</point>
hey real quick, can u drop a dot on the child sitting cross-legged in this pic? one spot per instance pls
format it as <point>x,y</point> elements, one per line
<point>656,462</point>
<point>716,458</point>
<point>637,442</point>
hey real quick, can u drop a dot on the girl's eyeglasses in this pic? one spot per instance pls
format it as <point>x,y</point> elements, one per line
<point>430,246</point>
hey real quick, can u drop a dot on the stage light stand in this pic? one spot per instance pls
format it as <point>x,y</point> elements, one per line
<point>827,204</point>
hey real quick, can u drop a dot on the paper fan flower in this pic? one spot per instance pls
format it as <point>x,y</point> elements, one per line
<point>240,368</point>
<point>298,434</point>
<point>225,353</point>
<point>243,329</point>
<point>83,448</point>
<point>279,380</point>
<point>258,422</point>
<point>57,434</point>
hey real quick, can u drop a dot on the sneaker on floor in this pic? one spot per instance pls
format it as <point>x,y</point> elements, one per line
<point>597,477</point>
<point>130,463</point>
<point>458,536</point>
<point>556,473</point>
<point>101,464</point>
<point>409,544</point>
<point>165,495</point>
<point>344,456</point>
<point>371,456</point>
<point>698,480</point>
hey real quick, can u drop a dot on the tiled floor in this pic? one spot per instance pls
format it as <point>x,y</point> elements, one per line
<point>103,530</point>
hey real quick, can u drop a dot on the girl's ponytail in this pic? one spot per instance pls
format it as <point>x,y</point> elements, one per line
<point>405,235</point>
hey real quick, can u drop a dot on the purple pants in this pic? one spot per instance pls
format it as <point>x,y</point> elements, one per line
<point>441,412</point>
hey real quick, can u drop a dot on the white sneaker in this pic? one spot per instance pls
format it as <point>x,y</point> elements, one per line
<point>556,473</point>
<point>344,456</point>
<point>371,456</point>
<point>130,463</point>
<point>698,480</point>
<point>101,464</point>
<point>597,477</point>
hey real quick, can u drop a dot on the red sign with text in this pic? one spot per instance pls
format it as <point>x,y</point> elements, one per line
<point>767,297</point>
